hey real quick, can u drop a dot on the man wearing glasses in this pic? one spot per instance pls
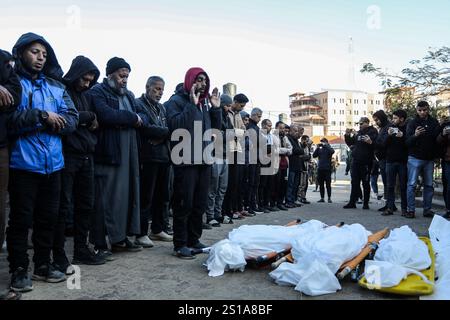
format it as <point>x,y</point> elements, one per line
<point>363,148</point>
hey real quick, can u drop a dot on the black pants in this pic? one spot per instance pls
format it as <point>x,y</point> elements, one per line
<point>231,200</point>
<point>34,201</point>
<point>191,184</point>
<point>265,191</point>
<point>324,177</point>
<point>360,174</point>
<point>154,196</point>
<point>280,186</point>
<point>77,193</point>
<point>254,171</point>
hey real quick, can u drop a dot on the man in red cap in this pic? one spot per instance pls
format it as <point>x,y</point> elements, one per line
<point>191,109</point>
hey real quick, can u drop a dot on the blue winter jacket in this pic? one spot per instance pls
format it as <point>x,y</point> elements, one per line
<point>35,147</point>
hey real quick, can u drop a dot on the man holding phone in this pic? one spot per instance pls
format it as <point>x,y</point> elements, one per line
<point>363,143</point>
<point>421,134</point>
<point>394,141</point>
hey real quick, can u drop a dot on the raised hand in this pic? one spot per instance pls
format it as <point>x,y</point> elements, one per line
<point>194,95</point>
<point>215,98</point>
<point>6,99</point>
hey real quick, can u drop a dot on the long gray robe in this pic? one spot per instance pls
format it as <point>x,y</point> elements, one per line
<point>120,186</point>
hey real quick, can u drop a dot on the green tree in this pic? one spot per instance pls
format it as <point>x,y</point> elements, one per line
<point>424,78</point>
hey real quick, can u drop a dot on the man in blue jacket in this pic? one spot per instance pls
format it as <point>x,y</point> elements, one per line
<point>45,113</point>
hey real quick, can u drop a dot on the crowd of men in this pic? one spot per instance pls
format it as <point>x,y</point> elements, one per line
<point>89,155</point>
<point>401,150</point>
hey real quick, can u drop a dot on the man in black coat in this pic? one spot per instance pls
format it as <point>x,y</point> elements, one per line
<point>154,155</point>
<point>421,134</point>
<point>190,115</point>
<point>77,178</point>
<point>10,97</point>
<point>363,154</point>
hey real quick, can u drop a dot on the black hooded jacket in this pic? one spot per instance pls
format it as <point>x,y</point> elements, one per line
<point>423,147</point>
<point>9,80</point>
<point>82,141</point>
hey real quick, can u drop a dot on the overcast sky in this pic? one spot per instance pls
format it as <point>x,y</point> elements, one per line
<point>269,48</point>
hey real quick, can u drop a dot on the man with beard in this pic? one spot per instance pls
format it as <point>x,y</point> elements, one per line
<point>116,161</point>
<point>77,178</point>
<point>45,113</point>
<point>363,143</point>
<point>421,134</point>
<point>280,179</point>
<point>190,110</point>
<point>231,204</point>
<point>154,163</point>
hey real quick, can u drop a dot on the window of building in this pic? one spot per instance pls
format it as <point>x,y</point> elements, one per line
<point>371,101</point>
<point>350,112</point>
<point>334,111</point>
<point>365,101</point>
<point>356,112</point>
<point>333,123</point>
<point>365,113</point>
<point>334,100</point>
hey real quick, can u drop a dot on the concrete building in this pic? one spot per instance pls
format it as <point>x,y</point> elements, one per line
<point>330,112</point>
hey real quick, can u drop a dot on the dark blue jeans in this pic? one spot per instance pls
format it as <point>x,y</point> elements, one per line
<point>293,184</point>
<point>392,170</point>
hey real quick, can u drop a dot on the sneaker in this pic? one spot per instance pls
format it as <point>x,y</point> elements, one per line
<point>169,231</point>
<point>65,268</point>
<point>49,274</point>
<point>238,216</point>
<point>366,206</point>
<point>214,223</point>
<point>329,201</point>
<point>86,257</point>
<point>125,245</point>
<point>428,214</point>
<point>184,253</point>
<point>388,212</point>
<point>20,281</point>
<point>227,220</point>
<point>273,209</point>
<point>198,245</point>
<point>350,206</point>
<point>162,236</point>
<point>144,242</point>
<point>304,201</point>
<point>404,213</point>
<point>383,209</point>
<point>298,203</point>
<point>290,205</point>
<point>104,254</point>
<point>321,201</point>
<point>379,197</point>
<point>282,208</point>
<point>266,210</point>
<point>410,215</point>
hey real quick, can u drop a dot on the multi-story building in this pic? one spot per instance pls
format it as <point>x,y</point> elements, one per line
<point>331,112</point>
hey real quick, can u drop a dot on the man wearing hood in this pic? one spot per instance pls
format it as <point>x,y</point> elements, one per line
<point>381,120</point>
<point>78,175</point>
<point>45,113</point>
<point>116,161</point>
<point>187,110</point>
<point>10,96</point>
<point>363,143</point>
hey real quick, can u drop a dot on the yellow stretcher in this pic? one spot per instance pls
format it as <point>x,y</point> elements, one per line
<point>413,285</point>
